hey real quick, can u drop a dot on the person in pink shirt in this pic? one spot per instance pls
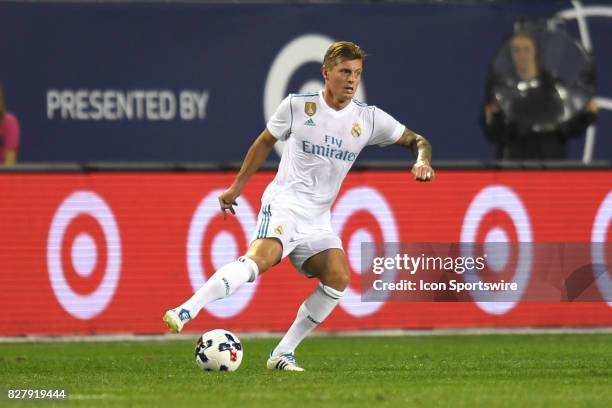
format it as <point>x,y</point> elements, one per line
<point>9,134</point>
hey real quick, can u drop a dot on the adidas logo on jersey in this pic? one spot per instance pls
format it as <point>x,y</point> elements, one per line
<point>310,122</point>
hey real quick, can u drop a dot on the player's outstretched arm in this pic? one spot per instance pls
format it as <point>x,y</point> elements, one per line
<point>257,154</point>
<point>421,148</point>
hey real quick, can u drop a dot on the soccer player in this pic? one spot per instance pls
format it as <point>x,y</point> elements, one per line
<point>324,133</point>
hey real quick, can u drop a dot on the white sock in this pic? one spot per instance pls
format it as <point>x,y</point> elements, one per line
<point>312,312</point>
<point>223,283</point>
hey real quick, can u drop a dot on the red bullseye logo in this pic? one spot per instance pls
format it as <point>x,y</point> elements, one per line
<point>362,214</point>
<point>82,262</point>
<point>599,238</point>
<point>213,242</point>
<point>84,254</point>
<point>496,217</point>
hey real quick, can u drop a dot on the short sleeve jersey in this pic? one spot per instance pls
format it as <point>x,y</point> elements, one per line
<point>321,146</point>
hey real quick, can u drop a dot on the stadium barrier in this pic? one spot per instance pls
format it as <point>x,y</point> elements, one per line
<point>109,249</point>
<point>109,97</point>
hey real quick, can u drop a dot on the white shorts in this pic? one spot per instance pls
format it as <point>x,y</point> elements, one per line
<point>301,236</point>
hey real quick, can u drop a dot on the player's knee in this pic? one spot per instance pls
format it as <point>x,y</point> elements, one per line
<point>265,253</point>
<point>263,262</point>
<point>338,279</point>
<point>345,278</point>
<point>264,259</point>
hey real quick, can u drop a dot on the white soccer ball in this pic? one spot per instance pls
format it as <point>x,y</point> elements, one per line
<point>218,350</point>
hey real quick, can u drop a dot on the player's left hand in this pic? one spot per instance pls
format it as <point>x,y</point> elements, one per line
<point>422,171</point>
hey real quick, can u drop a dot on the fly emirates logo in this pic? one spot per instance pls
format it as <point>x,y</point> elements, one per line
<point>332,148</point>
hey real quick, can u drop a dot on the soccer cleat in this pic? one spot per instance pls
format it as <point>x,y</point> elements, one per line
<point>284,362</point>
<point>176,319</point>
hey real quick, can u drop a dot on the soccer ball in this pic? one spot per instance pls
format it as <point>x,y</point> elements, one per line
<point>218,350</point>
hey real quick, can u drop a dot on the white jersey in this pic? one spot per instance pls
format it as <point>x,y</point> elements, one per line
<point>321,146</point>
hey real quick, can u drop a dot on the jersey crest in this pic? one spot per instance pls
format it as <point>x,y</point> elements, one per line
<point>310,108</point>
<point>356,129</point>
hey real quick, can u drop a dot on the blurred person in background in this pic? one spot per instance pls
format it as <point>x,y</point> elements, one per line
<point>9,134</point>
<point>532,126</point>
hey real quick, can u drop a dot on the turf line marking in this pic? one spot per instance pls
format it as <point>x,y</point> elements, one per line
<point>272,335</point>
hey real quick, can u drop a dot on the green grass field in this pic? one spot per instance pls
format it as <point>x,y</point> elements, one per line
<point>489,370</point>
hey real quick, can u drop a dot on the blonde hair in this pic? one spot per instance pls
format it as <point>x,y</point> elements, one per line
<point>342,51</point>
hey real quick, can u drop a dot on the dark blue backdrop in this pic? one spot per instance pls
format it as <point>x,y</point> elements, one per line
<point>427,67</point>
